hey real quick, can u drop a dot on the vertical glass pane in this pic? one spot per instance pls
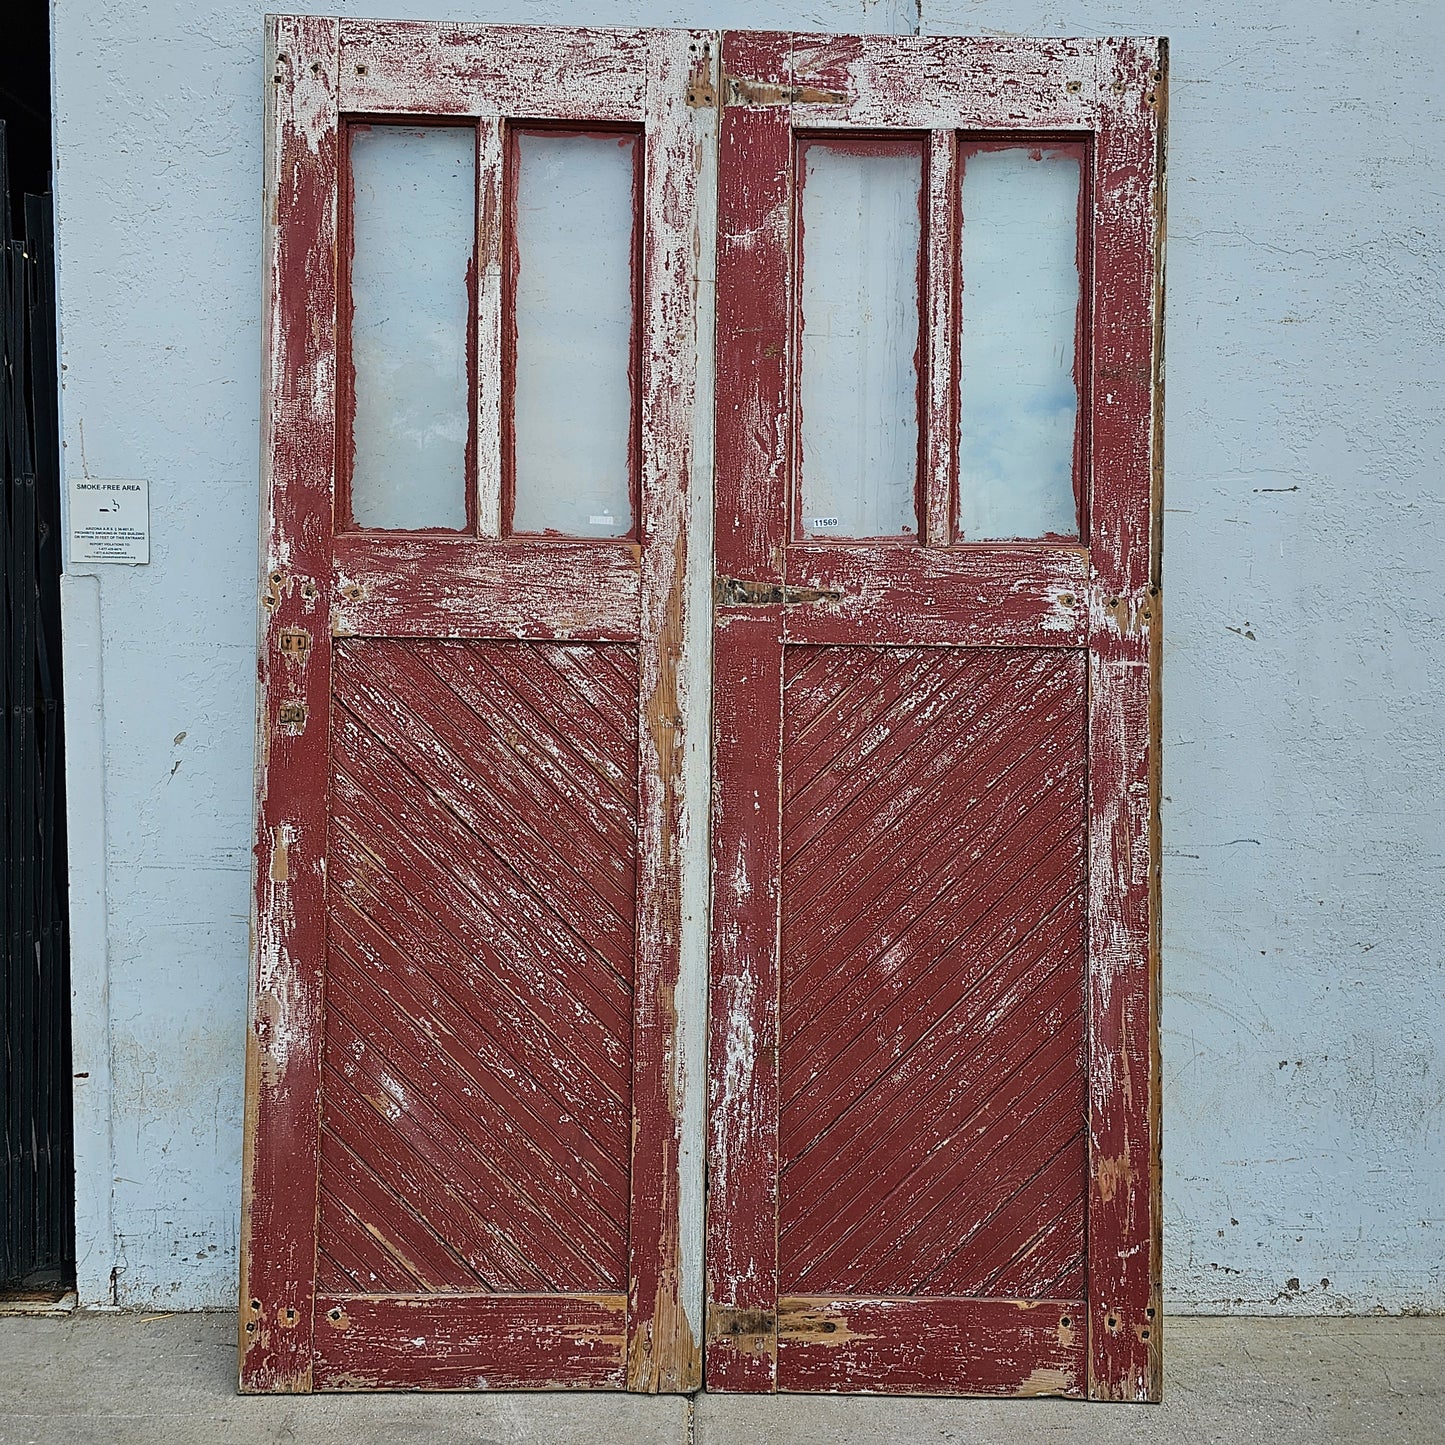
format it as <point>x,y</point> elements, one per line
<point>858,383</point>
<point>1018,397</point>
<point>572,406</point>
<point>413,230</point>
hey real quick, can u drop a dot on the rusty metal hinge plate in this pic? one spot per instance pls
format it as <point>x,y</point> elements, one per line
<point>738,90</point>
<point>742,592</point>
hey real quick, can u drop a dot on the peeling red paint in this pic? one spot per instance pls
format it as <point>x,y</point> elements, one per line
<point>1080,618</point>
<point>1086,611</point>
<point>368,627</point>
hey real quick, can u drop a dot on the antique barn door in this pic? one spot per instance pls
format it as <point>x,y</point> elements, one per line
<point>932,1139</point>
<point>462,1146</point>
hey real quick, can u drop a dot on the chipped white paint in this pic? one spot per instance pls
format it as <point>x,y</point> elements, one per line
<point>695,705</point>
<point>1302,970</point>
<point>1058,92</point>
<point>488,379</point>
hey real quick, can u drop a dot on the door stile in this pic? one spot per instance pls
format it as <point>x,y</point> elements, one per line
<point>664,1349</point>
<point>1125,1354</point>
<point>742,1195</point>
<point>755,172</point>
<point>283,1043</point>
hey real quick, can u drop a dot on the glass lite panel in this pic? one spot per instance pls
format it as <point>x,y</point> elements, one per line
<point>1018,398</point>
<point>413,227</point>
<point>572,406</point>
<point>858,387</point>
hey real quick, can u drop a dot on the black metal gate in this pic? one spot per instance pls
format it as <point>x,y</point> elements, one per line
<point>37,1226</point>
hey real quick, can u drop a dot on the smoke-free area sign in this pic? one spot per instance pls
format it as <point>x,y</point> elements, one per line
<point>109,521</point>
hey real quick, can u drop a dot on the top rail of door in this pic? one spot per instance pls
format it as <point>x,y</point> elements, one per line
<point>553,72</point>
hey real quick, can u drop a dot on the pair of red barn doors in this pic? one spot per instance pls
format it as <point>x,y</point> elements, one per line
<point>535,1098</point>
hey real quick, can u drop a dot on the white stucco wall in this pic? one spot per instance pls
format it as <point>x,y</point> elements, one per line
<point>1305,870</point>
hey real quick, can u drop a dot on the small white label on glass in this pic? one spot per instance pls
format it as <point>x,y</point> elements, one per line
<point>572,403</point>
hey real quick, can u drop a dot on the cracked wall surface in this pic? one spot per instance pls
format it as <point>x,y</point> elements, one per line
<point>1304,970</point>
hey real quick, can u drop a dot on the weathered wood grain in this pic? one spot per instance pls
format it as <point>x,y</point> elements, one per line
<point>785,944</point>
<point>968,596</point>
<point>754,327</point>
<point>923,83</point>
<point>469,1342</point>
<point>926,968</point>
<point>664,1349</point>
<point>933,1346</point>
<point>397,584</point>
<point>418,68</point>
<point>743,1083</point>
<point>850,1133</point>
<point>283,1044</point>
<point>488,401</point>
<point>755,183</point>
<point>940,312</point>
<point>502,1107</point>
<point>1124,1230</point>
<point>480,959</point>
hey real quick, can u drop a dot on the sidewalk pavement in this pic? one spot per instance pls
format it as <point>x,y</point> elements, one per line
<point>114,1379</point>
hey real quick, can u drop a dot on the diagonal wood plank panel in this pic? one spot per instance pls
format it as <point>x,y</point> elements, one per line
<point>476,1077</point>
<point>932,1131</point>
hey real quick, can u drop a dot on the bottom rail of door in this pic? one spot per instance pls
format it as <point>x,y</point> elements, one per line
<point>471,1342</point>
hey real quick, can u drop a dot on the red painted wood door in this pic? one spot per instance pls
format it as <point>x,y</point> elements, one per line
<point>462,1138</point>
<point>932,1124</point>
<point>932,1146</point>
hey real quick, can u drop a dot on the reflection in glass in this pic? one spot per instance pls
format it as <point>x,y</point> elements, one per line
<point>413,230</point>
<point>572,399</point>
<point>858,383</point>
<point>1018,398</point>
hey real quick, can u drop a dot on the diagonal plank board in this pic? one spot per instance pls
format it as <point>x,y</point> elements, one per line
<point>476,1098</point>
<point>931,1134</point>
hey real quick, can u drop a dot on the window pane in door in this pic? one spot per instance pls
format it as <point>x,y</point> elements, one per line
<point>858,370</point>
<point>413,208</point>
<point>573,326</point>
<point>1018,396</point>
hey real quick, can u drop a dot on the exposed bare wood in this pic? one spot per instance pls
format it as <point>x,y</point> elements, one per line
<point>931,1346</point>
<point>491,234</point>
<point>908,1048</point>
<point>941,321</point>
<point>741,91</point>
<point>283,1044</point>
<point>413,67</point>
<point>470,1342</point>
<point>933,1137</point>
<point>664,1352</point>
<point>396,584</point>
<point>1124,1290</point>
<point>492,728</point>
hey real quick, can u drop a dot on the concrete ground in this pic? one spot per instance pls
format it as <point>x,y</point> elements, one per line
<point>113,1379</point>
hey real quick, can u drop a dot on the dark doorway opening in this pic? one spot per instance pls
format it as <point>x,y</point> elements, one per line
<point>37,1194</point>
